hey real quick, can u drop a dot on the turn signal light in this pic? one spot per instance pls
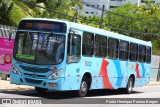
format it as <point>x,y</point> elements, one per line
<point>53,84</point>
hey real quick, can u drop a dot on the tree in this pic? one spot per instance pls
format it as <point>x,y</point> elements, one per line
<point>63,6</point>
<point>14,10</point>
<point>123,17</point>
<point>141,22</point>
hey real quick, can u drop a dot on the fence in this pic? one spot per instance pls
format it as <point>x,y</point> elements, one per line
<point>5,30</point>
<point>155,71</point>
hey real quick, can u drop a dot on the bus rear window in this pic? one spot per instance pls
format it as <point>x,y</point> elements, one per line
<point>43,26</point>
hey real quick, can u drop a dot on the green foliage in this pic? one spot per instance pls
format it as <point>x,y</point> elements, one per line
<point>24,7</point>
<point>12,11</point>
<point>15,16</point>
<point>144,19</point>
<point>5,8</point>
<point>91,21</point>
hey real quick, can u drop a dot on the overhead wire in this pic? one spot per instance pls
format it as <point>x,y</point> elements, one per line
<point>87,20</point>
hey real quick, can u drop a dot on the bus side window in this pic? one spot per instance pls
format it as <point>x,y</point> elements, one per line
<point>73,48</point>
<point>88,44</point>
<point>148,55</point>
<point>100,46</point>
<point>142,53</point>
<point>123,50</point>
<point>113,48</point>
<point>133,52</point>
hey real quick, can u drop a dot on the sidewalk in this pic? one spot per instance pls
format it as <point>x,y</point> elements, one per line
<point>5,85</point>
<point>151,83</point>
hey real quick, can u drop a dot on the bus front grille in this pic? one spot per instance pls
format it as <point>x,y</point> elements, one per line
<point>40,76</point>
<point>34,69</point>
<point>33,81</point>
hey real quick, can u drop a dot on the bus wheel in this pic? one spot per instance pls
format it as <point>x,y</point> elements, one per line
<point>129,86</point>
<point>41,90</point>
<point>83,87</point>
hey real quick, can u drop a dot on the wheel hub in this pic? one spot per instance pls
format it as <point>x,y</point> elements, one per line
<point>83,86</point>
<point>130,86</point>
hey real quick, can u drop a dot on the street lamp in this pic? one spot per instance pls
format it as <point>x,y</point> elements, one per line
<point>76,8</point>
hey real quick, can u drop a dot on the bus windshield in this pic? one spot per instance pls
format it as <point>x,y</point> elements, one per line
<point>39,46</point>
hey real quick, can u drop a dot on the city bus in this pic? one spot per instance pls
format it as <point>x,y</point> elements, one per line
<point>52,54</point>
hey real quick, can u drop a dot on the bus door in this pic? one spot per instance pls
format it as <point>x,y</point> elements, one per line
<point>73,61</point>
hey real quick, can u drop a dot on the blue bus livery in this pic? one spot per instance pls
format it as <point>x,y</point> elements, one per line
<point>62,55</point>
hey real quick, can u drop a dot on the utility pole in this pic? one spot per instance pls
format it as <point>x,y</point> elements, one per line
<point>138,4</point>
<point>101,20</point>
<point>108,4</point>
<point>76,8</point>
<point>76,15</point>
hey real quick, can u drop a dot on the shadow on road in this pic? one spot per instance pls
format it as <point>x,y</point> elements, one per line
<point>64,94</point>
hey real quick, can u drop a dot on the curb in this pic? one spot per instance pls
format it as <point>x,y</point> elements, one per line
<point>153,83</point>
<point>20,89</point>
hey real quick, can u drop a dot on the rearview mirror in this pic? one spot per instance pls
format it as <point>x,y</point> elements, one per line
<point>74,37</point>
<point>74,40</point>
<point>72,32</point>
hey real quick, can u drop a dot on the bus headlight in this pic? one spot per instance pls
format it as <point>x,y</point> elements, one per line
<point>55,75</point>
<point>15,70</point>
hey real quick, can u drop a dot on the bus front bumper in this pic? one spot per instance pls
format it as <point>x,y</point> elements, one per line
<point>36,82</point>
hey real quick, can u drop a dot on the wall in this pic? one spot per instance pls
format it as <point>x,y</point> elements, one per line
<point>155,71</point>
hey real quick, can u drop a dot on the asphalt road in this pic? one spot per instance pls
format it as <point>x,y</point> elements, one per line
<point>92,98</point>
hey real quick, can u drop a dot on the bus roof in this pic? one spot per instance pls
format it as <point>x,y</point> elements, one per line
<point>108,34</point>
<point>96,31</point>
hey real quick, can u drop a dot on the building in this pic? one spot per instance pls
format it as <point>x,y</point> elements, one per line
<point>94,7</point>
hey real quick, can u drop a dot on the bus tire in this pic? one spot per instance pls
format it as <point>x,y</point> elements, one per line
<point>129,87</point>
<point>82,92</point>
<point>41,90</point>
